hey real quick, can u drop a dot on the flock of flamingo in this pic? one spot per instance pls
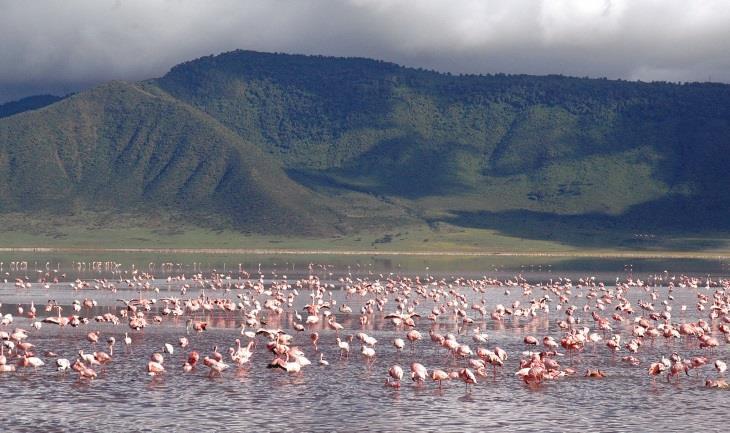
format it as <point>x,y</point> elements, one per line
<point>285,322</point>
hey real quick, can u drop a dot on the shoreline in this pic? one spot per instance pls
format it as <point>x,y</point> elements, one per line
<point>284,251</point>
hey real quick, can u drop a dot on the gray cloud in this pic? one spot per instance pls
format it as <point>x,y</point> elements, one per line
<point>60,46</point>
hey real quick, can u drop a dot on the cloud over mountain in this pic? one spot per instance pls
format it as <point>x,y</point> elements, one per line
<point>64,46</point>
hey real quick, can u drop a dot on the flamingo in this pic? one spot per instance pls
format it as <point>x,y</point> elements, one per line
<point>322,361</point>
<point>63,364</point>
<point>102,357</point>
<point>30,361</point>
<point>439,376</point>
<point>368,353</point>
<point>418,373</point>
<point>286,365</point>
<point>314,337</point>
<point>93,337</point>
<point>84,371</point>
<point>595,373</point>
<point>344,348</point>
<point>216,366</point>
<point>396,373</point>
<point>399,344</point>
<point>468,377</point>
<point>655,369</point>
<point>155,368</point>
<point>88,358</point>
<point>191,362</point>
<point>720,366</point>
<point>413,336</point>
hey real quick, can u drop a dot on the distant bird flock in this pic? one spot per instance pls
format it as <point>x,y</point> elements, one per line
<point>283,324</point>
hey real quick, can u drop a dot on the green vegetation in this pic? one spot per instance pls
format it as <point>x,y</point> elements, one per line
<point>260,149</point>
<point>26,104</point>
<point>109,233</point>
<point>126,146</point>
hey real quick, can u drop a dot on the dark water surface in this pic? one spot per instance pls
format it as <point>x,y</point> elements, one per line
<point>348,395</point>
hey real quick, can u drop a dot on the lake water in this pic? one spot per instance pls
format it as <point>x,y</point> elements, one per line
<point>348,395</point>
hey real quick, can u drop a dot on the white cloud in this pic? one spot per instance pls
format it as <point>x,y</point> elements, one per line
<point>48,44</point>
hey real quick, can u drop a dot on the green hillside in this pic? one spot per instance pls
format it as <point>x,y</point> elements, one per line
<point>553,144</point>
<point>131,147</point>
<point>26,104</point>
<point>313,146</point>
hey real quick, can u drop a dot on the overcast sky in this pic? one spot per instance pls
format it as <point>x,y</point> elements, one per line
<point>66,45</point>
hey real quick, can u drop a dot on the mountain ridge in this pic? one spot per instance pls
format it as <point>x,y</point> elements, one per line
<point>115,146</point>
<point>354,143</point>
<point>28,103</point>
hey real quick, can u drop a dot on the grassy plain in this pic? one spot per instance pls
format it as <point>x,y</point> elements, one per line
<point>134,233</point>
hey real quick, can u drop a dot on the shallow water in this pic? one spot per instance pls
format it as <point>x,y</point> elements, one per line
<point>348,395</point>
